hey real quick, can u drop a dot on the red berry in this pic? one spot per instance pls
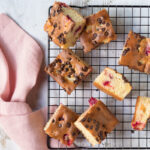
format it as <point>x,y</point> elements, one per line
<point>106,83</point>
<point>147,50</point>
<point>66,138</point>
<point>92,101</point>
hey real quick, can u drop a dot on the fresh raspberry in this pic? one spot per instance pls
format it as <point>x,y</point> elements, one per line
<point>92,101</point>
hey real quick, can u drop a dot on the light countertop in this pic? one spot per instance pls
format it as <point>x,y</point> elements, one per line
<point>31,16</point>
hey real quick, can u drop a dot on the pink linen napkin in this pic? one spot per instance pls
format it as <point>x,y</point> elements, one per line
<point>20,61</point>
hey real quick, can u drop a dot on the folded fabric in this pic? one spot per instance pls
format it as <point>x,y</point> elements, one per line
<point>21,59</point>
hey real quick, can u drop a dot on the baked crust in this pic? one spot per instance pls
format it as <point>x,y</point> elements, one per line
<point>141,114</point>
<point>96,122</point>
<point>61,125</point>
<point>68,70</point>
<point>98,30</point>
<point>113,84</point>
<point>136,53</point>
<point>64,25</point>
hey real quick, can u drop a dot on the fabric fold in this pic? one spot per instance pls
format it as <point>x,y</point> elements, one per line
<point>21,59</point>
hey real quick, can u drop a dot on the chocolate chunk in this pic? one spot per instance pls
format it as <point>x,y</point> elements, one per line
<point>91,127</point>
<point>98,108</point>
<point>94,36</point>
<point>139,63</point>
<point>55,25</point>
<point>107,24</point>
<point>87,126</point>
<point>94,121</point>
<point>53,121</point>
<point>65,32</point>
<point>62,67</point>
<point>99,20</point>
<point>66,69</point>
<point>76,81</point>
<point>53,31</point>
<point>68,124</point>
<point>81,75</point>
<point>60,119</point>
<point>83,120</point>
<point>72,70</point>
<point>103,126</point>
<point>64,41</point>
<point>59,10</point>
<point>125,51</point>
<point>100,134</point>
<point>85,69</point>
<point>69,59</point>
<point>60,38</point>
<point>89,120</point>
<point>94,42</point>
<point>59,125</point>
<point>103,29</point>
<point>59,60</point>
<point>106,33</point>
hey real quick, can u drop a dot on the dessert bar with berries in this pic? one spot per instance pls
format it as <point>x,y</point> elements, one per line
<point>98,30</point>
<point>96,122</point>
<point>113,83</point>
<point>68,70</point>
<point>64,25</point>
<point>61,125</point>
<point>136,53</point>
<point>142,113</point>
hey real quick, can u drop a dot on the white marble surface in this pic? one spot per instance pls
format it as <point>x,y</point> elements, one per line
<point>31,16</point>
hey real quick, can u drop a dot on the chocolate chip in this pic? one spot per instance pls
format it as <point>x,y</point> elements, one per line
<point>55,25</point>
<point>106,33</point>
<point>81,75</point>
<point>59,125</point>
<point>53,121</point>
<point>68,124</point>
<point>103,29</point>
<point>107,24</point>
<point>65,32</point>
<point>103,126</point>
<point>61,38</point>
<point>97,126</point>
<point>139,63</point>
<point>76,81</point>
<point>53,31</point>
<point>59,10</point>
<point>59,60</point>
<point>64,41</point>
<point>73,134</point>
<point>94,36</point>
<point>89,120</point>
<point>53,64</point>
<point>62,79</point>
<point>72,70</point>
<point>105,133</point>
<point>62,67</point>
<point>94,42</point>
<point>91,127</point>
<point>99,20</point>
<point>66,69</point>
<point>69,58</point>
<point>60,119</point>
<point>125,51</point>
<point>83,120</point>
<point>98,108</point>
<point>94,121</point>
<point>85,69</point>
<point>87,126</point>
<point>100,134</point>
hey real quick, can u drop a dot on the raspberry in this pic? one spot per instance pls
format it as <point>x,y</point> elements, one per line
<point>92,101</point>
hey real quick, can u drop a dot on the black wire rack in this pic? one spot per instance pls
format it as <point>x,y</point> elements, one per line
<point>124,19</point>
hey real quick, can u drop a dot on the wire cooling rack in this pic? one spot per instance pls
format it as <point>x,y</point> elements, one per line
<point>124,18</point>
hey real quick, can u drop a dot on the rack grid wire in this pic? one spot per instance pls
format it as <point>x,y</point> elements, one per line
<point>124,19</point>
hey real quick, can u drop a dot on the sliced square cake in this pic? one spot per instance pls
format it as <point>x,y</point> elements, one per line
<point>96,122</point>
<point>68,70</point>
<point>142,113</point>
<point>136,53</point>
<point>113,84</point>
<point>61,125</point>
<point>64,25</point>
<point>98,30</point>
